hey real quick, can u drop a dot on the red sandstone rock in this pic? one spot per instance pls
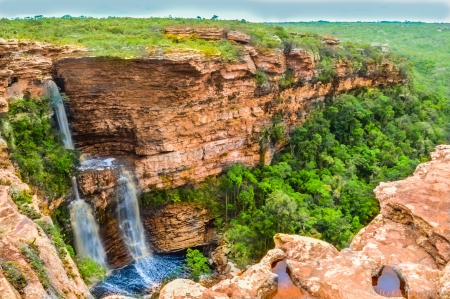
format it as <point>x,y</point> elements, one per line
<point>176,227</point>
<point>208,33</point>
<point>187,289</point>
<point>239,37</point>
<point>24,65</point>
<point>180,116</point>
<point>15,231</point>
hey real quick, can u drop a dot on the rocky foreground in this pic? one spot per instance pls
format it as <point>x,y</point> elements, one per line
<point>411,234</point>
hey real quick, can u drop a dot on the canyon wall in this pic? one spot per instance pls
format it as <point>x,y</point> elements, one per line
<point>411,235</point>
<point>182,117</point>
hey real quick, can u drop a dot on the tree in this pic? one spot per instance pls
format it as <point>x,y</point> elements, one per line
<point>215,17</point>
<point>284,209</point>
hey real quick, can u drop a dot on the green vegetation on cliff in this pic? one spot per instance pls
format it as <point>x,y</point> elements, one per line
<point>36,146</point>
<point>141,37</point>
<point>322,184</point>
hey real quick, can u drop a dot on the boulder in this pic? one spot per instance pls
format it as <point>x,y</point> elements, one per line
<point>238,36</point>
<point>187,289</point>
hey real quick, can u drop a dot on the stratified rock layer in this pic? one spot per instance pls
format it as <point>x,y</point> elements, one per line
<point>25,64</point>
<point>176,227</point>
<point>182,117</point>
<point>411,235</point>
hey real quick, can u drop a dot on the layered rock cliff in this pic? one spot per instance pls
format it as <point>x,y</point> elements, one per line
<point>182,116</point>
<point>411,235</point>
<point>25,64</point>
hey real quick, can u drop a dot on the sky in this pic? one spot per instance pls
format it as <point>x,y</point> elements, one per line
<point>250,10</point>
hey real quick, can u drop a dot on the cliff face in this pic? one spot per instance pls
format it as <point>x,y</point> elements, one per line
<point>411,235</point>
<point>176,227</point>
<point>24,65</point>
<point>182,117</point>
<point>17,232</point>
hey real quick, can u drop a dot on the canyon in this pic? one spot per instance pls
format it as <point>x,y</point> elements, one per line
<point>178,117</point>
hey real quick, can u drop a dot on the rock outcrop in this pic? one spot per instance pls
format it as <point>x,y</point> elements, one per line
<point>24,65</point>
<point>411,235</point>
<point>98,186</point>
<point>176,227</point>
<point>18,232</point>
<point>183,117</point>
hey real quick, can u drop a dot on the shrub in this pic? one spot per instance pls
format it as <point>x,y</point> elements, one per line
<point>90,270</point>
<point>196,264</point>
<point>31,252</point>
<point>261,77</point>
<point>14,275</point>
<point>23,200</point>
<point>36,146</point>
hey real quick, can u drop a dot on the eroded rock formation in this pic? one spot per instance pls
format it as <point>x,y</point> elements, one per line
<point>24,65</point>
<point>411,235</point>
<point>176,227</point>
<point>17,232</point>
<point>182,117</point>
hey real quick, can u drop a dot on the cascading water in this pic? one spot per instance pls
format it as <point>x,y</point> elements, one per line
<point>129,217</point>
<point>53,93</point>
<point>147,271</point>
<point>85,229</point>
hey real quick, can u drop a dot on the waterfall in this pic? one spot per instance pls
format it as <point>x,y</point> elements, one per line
<point>53,92</point>
<point>85,229</point>
<point>129,218</point>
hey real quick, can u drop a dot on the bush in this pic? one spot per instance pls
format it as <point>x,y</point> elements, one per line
<point>14,275</point>
<point>36,146</point>
<point>196,264</point>
<point>261,77</point>
<point>31,252</point>
<point>90,270</point>
<point>23,200</point>
<point>53,234</point>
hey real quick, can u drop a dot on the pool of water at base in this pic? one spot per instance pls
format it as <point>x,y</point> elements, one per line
<point>286,288</point>
<point>139,277</point>
<point>388,284</point>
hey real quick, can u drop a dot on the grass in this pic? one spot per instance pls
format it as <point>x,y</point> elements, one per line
<point>14,275</point>
<point>141,37</point>
<point>31,252</point>
<point>23,200</point>
<point>90,270</point>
